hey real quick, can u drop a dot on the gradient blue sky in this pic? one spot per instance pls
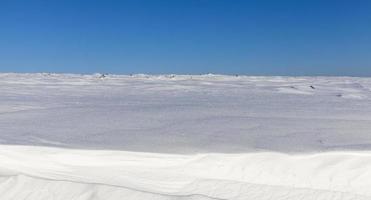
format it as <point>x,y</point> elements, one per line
<point>266,37</point>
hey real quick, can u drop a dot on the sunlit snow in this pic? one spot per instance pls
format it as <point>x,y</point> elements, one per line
<point>66,136</point>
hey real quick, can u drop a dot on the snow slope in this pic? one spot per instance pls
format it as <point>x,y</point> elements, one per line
<point>68,136</point>
<point>50,173</point>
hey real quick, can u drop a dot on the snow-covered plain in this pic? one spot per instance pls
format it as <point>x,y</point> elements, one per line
<point>85,137</point>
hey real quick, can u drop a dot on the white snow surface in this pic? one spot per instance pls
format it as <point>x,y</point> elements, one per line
<point>87,137</point>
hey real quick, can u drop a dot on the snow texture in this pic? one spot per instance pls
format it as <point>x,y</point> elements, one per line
<point>83,137</point>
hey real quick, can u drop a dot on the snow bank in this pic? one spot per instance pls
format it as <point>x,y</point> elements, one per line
<point>55,173</point>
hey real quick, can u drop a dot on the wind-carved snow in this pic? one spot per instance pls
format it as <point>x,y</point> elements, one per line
<point>184,137</point>
<point>50,173</point>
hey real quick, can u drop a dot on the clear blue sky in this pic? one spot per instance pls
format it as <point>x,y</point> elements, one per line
<point>262,37</point>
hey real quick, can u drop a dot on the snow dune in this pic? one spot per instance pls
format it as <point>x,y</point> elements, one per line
<point>87,137</point>
<point>54,173</point>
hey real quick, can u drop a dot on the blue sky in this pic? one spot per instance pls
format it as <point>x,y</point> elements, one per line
<point>265,37</point>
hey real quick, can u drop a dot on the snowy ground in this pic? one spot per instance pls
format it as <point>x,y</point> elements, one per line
<point>184,137</point>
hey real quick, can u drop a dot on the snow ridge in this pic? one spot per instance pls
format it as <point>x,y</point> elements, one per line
<point>40,172</point>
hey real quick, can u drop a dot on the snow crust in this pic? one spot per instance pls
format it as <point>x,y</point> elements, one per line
<point>67,136</point>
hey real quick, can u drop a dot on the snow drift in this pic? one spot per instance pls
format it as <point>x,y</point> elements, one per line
<point>50,173</point>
